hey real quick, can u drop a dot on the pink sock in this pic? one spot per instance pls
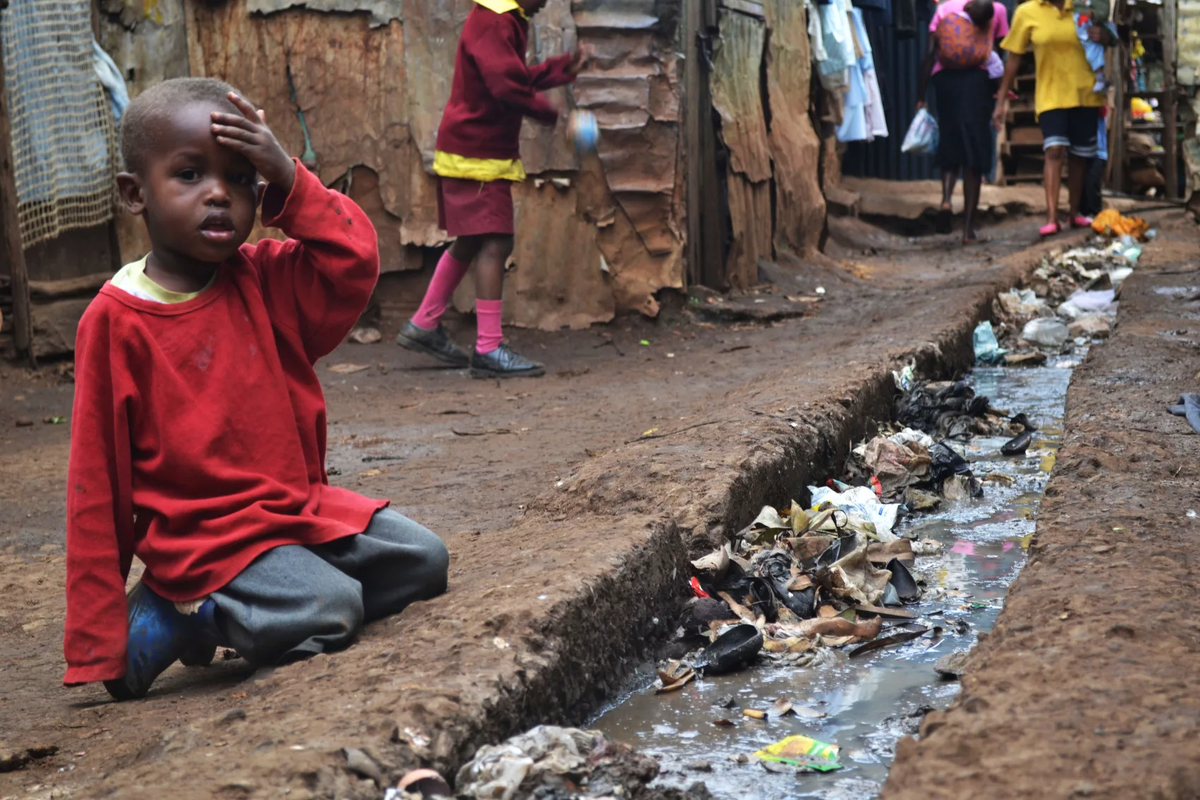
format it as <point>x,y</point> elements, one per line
<point>487,316</point>
<point>446,277</point>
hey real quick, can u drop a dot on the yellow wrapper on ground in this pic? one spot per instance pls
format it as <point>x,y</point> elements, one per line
<point>1110,222</point>
<point>801,751</point>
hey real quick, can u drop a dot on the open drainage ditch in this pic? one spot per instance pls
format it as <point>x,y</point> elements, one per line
<point>866,704</point>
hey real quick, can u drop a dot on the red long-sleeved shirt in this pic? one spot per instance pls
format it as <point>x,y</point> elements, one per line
<point>493,88</point>
<point>198,433</point>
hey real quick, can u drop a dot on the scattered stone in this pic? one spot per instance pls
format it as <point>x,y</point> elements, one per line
<point>24,422</point>
<point>365,335</point>
<point>725,701</point>
<point>14,758</point>
<point>232,715</point>
<point>951,665</point>
<point>1091,326</point>
<point>360,763</point>
<point>700,765</point>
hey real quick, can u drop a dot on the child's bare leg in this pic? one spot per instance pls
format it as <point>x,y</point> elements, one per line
<point>489,274</point>
<point>493,358</point>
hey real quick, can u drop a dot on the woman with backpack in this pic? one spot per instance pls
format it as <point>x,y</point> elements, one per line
<point>1064,98</point>
<point>964,66</point>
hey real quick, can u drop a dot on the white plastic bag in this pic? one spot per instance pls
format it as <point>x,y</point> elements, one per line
<point>861,501</point>
<point>922,136</point>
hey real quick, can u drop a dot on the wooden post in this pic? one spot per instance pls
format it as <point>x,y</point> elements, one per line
<point>1170,139</point>
<point>10,232</point>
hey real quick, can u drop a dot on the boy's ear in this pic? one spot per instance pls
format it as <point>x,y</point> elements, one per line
<point>129,187</point>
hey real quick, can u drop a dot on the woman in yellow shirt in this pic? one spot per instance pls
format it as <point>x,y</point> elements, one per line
<point>1066,105</point>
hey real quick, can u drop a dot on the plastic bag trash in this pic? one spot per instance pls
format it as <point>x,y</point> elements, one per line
<point>801,751</point>
<point>987,349</point>
<point>549,761</point>
<point>1046,332</point>
<point>856,578</point>
<point>922,136</point>
<point>861,501</point>
<point>905,379</point>
<point>1022,303</point>
<point>1189,407</point>
<point>909,435</point>
<point>1096,300</point>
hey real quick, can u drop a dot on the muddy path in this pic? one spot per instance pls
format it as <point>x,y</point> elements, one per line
<point>564,519</point>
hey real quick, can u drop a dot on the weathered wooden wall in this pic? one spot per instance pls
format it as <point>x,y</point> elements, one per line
<point>359,86</point>
<point>371,93</point>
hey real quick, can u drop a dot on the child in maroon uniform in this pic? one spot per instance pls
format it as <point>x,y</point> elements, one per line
<point>198,435</point>
<point>477,160</point>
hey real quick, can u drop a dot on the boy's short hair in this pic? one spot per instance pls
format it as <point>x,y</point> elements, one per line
<point>160,100</point>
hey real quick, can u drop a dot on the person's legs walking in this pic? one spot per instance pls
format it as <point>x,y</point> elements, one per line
<point>424,332</point>
<point>972,179</point>
<point>489,291</point>
<point>395,561</point>
<point>1083,132</point>
<point>945,219</point>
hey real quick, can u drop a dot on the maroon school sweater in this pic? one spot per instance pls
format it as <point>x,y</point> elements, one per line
<point>198,431</point>
<point>493,88</point>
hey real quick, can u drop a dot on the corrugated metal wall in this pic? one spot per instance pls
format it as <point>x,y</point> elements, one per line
<point>898,67</point>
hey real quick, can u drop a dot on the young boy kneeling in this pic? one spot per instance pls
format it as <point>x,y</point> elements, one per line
<point>198,436</point>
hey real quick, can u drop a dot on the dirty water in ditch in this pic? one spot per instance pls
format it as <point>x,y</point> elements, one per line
<point>865,705</point>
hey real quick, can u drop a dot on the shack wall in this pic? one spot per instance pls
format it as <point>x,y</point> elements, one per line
<point>358,88</point>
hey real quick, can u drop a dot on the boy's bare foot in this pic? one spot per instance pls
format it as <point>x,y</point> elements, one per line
<point>504,362</point>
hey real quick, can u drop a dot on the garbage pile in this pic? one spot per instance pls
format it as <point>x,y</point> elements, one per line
<point>552,763</point>
<point>1069,301</point>
<point>799,581</point>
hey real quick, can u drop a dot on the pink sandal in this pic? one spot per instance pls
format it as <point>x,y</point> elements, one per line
<point>1050,228</point>
<point>1080,221</point>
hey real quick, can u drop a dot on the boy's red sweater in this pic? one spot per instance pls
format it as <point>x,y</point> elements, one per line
<point>198,433</point>
<point>493,88</point>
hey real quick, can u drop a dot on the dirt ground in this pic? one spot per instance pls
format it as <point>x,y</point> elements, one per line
<point>1087,687</point>
<point>568,504</point>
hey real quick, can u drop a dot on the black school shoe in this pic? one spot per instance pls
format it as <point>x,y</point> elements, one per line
<point>436,343</point>
<point>504,362</point>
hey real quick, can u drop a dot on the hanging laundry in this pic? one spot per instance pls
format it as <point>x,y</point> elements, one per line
<point>863,118</point>
<point>877,126</point>
<point>837,36</point>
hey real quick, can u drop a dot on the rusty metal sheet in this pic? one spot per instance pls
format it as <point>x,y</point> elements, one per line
<point>557,279</point>
<point>795,147</point>
<point>737,95</point>
<point>342,80</point>
<point>658,16</point>
<point>431,29</point>
<point>750,214</point>
<point>380,12</point>
<point>545,148</point>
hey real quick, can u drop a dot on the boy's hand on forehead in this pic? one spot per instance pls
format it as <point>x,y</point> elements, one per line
<point>247,133</point>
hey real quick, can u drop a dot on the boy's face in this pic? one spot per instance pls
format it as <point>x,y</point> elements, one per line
<point>199,199</point>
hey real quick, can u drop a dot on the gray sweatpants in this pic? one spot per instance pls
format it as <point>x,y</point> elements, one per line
<point>293,602</point>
